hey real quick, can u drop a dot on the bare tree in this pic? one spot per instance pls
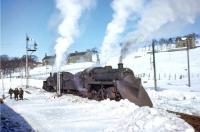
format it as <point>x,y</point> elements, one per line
<point>10,65</point>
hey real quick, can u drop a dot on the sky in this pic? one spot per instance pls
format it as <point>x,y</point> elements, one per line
<point>39,19</point>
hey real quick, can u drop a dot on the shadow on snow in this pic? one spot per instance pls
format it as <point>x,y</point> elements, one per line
<point>12,121</point>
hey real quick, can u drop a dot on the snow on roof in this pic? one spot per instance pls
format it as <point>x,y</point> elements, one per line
<point>184,38</point>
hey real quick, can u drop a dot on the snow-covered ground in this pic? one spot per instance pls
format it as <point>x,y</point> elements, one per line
<point>46,113</point>
<point>173,92</point>
<point>42,72</point>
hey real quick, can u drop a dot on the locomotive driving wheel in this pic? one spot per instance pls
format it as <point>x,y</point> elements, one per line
<point>112,93</point>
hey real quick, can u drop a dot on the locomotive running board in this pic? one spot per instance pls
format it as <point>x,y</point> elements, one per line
<point>131,89</point>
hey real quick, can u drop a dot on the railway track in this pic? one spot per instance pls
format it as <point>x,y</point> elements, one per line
<point>194,121</point>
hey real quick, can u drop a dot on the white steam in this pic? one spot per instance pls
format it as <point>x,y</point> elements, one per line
<point>70,11</point>
<point>122,9</point>
<point>158,13</point>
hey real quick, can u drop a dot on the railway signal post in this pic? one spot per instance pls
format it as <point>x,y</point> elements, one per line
<point>29,48</point>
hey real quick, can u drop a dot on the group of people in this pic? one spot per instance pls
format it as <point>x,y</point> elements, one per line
<point>18,93</point>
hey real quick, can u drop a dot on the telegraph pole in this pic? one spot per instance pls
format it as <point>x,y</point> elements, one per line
<point>27,39</point>
<point>188,64</point>
<point>154,64</point>
<point>1,74</point>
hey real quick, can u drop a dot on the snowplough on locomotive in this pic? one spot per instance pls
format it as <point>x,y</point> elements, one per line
<point>100,83</point>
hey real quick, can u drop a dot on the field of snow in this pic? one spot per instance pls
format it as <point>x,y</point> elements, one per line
<point>45,112</point>
<point>167,63</point>
<point>42,72</point>
<point>173,91</point>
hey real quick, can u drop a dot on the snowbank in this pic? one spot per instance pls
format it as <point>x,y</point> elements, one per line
<point>145,119</point>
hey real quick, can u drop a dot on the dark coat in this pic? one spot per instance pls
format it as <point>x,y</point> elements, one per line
<point>21,92</point>
<point>16,92</point>
<point>10,91</point>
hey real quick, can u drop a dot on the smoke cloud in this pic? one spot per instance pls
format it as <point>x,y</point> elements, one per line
<point>155,15</point>
<point>122,9</point>
<point>70,12</point>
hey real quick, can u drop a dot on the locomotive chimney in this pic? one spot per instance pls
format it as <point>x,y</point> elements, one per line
<point>120,65</point>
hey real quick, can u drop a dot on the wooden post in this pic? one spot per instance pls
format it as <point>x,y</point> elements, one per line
<point>169,76</point>
<point>188,64</point>
<point>154,64</point>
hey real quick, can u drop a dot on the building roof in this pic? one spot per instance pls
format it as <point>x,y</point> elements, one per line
<point>93,51</point>
<point>77,53</point>
<point>49,57</point>
<point>82,53</point>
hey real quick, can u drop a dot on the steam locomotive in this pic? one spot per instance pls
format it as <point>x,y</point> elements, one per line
<point>100,83</point>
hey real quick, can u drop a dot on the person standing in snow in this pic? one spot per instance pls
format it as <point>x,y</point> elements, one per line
<point>16,93</point>
<point>10,92</point>
<point>21,93</point>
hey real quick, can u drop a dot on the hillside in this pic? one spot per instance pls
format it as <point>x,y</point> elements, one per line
<point>45,111</point>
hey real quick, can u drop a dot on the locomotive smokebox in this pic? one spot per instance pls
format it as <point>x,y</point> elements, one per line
<point>120,66</point>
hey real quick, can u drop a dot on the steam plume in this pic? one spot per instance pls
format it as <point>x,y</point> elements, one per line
<point>158,13</point>
<point>70,11</point>
<point>123,9</point>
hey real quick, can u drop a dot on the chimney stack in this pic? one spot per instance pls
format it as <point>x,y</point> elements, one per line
<point>120,66</point>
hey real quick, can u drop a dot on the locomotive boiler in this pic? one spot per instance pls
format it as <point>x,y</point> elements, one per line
<point>101,83</point>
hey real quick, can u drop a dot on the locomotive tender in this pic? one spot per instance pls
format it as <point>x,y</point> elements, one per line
<point>101,83</point>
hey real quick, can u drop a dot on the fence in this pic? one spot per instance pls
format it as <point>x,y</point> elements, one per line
<point>167,76</point>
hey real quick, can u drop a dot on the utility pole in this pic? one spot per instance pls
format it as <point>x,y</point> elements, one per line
<point>46,67</point>
<point>154,64</point>
<point>27,39</point>
<point>1,74</point>
<point>188,64</point>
